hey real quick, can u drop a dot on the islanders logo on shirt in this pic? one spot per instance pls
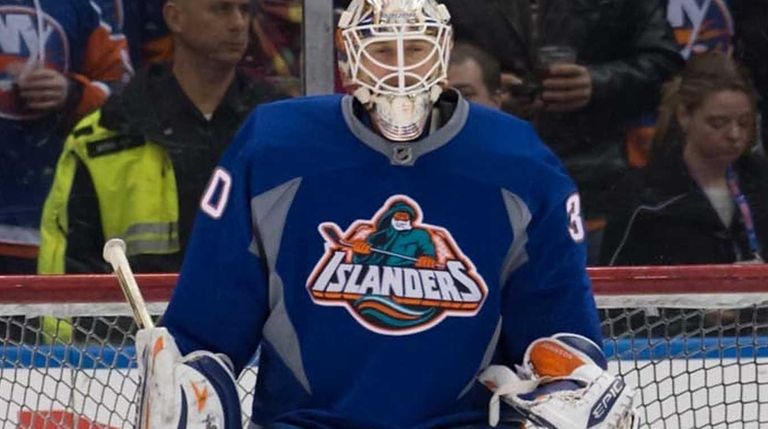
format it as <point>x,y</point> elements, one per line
<point>395,274</point>
<point>701,25</point>
<point>27,42</point>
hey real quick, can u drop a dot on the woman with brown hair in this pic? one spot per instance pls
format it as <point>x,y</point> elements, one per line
<point>703,198</point>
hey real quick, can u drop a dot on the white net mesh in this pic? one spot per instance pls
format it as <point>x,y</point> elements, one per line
<point>699,360</point>
<point>77,372</point>
<point>693,368</point>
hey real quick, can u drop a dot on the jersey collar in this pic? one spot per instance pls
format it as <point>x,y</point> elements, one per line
<point>406,153</point>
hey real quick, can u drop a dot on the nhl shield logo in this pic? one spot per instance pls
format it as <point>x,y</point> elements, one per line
<point>395,274</point>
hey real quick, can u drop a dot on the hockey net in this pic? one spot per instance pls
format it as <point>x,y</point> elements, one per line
<point>694,340</point>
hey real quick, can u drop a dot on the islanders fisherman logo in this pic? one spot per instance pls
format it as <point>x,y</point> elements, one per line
<point>395,274</point>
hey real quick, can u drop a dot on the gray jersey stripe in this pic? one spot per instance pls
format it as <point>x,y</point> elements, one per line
<point>519,218</point>
<point>489,351</point>
<point>281,334</point>
<point>269,212</point>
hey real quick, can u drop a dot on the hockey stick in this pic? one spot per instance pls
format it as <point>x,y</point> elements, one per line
<point>114,253</point>
<point>333,234</point>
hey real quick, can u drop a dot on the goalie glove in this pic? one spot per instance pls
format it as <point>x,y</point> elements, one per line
<point>562,384</point>
<point>197,391</point>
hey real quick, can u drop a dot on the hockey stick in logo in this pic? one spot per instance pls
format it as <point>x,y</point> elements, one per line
<point>332,234</point>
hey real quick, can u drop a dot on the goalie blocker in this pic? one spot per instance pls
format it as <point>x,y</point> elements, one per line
<point>197,391</point>
<point>563,383</point>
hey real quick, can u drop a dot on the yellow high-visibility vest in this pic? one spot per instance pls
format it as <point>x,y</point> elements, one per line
<point>136,189</point>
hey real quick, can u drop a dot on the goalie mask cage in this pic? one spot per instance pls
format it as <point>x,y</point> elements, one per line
<point>693,340</point>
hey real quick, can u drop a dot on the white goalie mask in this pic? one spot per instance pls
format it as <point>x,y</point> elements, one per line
<point>395,55</point>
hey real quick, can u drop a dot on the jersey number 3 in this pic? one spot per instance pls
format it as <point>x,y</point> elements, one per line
<point>575,221</point>
<point>215,199</point>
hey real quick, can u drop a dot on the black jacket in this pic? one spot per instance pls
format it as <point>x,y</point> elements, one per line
<point>500,27</point>
<point>660,216</point>
<point>751,23</point>
<point>629,48</point>
<point>154,108</point>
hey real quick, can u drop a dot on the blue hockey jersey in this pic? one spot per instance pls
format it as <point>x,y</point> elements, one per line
<point>379,278</point>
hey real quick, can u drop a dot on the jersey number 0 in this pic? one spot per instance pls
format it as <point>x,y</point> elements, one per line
<point>216,196</point>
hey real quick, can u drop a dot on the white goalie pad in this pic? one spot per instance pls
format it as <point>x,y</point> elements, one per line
<point>197,391</point>
<point>562,386</point>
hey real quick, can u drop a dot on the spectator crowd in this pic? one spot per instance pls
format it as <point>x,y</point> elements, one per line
<point>115,112</point>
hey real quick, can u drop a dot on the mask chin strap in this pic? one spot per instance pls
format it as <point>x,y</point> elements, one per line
<point>436,120</point>
<point>388,112</point>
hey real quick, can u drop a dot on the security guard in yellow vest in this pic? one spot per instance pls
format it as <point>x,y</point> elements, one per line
<point>136,170</point>
<point>134,185</point>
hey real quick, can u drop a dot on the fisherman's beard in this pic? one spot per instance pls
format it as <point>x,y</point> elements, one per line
<point>401,225</point>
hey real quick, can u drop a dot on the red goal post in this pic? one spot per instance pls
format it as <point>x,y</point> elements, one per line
<point>693,339</point>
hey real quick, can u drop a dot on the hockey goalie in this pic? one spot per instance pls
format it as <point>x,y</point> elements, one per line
<point>379,249</point>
